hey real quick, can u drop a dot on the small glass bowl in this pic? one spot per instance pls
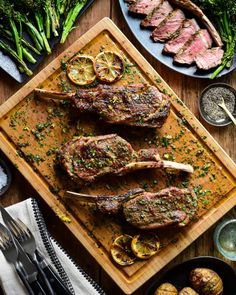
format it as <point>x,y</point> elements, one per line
<point>225,239</point>
<point>205,116</point>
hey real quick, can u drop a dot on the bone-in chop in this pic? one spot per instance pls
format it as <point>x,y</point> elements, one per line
<point>136,104</point>
<point>88,158</point>
<point>168,207</point>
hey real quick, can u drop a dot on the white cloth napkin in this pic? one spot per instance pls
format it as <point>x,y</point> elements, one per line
<point>9,280</point>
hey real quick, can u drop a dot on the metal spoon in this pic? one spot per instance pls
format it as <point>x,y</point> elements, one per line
<point>223,106</point>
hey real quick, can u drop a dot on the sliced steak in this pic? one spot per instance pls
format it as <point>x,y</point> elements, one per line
<point>144,6</point>
<point>209,58</point>
<point>194,9</point>
<point>189,28</point>
<point>169,26</point>
<point>199,43</point>
<point>154,18</point>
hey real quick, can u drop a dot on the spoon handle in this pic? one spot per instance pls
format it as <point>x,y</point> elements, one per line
<point>228,113</point>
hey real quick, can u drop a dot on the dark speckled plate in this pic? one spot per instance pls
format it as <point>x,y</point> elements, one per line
<point>179,274</point>
<point>155,49</point>
<point>8,65</point>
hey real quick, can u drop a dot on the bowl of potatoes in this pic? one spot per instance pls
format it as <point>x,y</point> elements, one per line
<point>203,275</point>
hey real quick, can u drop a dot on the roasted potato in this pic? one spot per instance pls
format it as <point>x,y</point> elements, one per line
<point>206,281</point>
<point>166,289</point>
<point>188,291</point>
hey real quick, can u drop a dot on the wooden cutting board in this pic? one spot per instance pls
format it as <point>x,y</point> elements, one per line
<point>32,129</point>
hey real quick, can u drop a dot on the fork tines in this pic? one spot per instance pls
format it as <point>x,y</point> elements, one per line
<point>4,240</point>
<point>19,229</point>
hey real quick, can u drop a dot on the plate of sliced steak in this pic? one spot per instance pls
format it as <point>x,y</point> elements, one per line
<point>178,34</point>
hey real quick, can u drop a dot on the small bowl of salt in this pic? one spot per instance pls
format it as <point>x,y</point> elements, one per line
<point>210,99</point>
<point>5,177</point>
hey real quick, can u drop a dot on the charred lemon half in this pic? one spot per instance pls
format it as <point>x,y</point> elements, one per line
<point>109,66</point>
<point>121,250</point>
<point>145,245</point>
<point>80,70</point>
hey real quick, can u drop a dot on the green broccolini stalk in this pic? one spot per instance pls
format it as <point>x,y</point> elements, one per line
<point>26,54</point>
<point>7,34</point>
<point>223,13</point>
<point>52,20</point>
<point>22,18</point>
<point>9,16</point>
<point>6,48</point>
<point>34,34</point>
<point>62,6</point>
<point>73,8</point>
<point>39,21</point>
<point>36,8</point>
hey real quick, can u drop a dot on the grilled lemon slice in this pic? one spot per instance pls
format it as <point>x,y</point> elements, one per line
<point>80,70</point>
<point>145,245</point>
<point>109,66</point>
<point>121,250</point>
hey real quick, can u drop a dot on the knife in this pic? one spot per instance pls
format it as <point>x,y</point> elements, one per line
<point>30,270</point>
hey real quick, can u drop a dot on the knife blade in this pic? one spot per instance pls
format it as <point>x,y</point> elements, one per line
<point>30,269</point>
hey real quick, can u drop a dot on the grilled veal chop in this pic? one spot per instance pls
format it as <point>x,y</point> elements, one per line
<point>135,104</point>
<point>88,158</point>
<point>168,207</point>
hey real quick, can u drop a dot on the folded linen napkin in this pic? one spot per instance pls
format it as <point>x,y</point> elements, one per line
<point>28,212</point>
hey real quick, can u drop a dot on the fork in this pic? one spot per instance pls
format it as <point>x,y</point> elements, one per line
<point>10,252</point>
<point>27,241</point>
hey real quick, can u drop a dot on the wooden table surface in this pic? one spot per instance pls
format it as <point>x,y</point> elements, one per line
<point>188,89</point>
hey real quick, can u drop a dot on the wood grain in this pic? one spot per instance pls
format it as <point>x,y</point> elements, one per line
<point>187,88</point>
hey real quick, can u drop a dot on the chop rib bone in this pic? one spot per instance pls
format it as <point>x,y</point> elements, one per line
<point>168,207</point>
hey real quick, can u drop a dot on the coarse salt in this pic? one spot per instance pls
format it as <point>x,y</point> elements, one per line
<point>3,178</point>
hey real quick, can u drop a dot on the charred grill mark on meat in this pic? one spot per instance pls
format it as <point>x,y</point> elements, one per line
<point>88,158</point>
<point>135,105</point>
<point>168,207</point>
